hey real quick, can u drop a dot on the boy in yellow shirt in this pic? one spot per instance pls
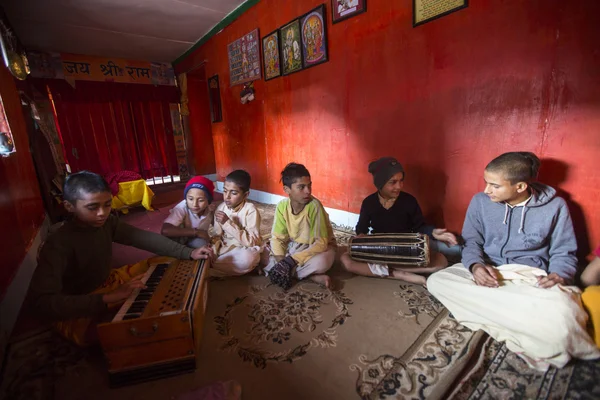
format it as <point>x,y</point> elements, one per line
<point>302,241</point>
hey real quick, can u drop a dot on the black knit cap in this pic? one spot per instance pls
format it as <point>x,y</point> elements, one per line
<point>383,169</point>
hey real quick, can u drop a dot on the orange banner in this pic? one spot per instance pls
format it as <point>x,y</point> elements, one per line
<point>89,68</point>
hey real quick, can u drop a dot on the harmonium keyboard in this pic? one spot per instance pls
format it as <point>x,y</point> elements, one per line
<point>156,333</point>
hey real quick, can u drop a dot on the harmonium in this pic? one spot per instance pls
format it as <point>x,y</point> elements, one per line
<point>156,333</point>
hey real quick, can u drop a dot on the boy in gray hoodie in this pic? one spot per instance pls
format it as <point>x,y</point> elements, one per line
<point>519,245</point>
<point>518,221</point>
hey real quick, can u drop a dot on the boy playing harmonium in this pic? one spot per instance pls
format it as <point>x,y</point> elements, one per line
<point>73,285</point>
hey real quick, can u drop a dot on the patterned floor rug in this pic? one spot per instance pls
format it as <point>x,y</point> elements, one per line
<point>500,374</point>
<point>369,339</point>
<point>35,362</point>
<point>312,343</point>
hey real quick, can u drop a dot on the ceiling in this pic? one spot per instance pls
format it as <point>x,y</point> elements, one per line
<point>151,30</point>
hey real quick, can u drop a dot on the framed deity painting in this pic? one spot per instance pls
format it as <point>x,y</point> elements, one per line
<point>314,37</point>
<point>291,47</point>
<point>271,56</point>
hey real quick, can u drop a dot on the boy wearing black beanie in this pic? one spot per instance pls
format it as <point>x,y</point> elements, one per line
<point>390,210</point>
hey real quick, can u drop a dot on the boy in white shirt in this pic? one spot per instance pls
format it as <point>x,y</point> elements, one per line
<point>190,219</point>
<point>235,234</point>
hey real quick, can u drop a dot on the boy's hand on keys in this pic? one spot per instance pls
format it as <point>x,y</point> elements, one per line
<point>444,236</point>
<point>124,291</point>
<point>485,275</point>
<point>546,282</point>
<point>221,217</point>
<point>202,253</point>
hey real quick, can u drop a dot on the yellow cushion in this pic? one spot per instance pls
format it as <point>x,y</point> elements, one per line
<point>132,193</point>
<point>591,302</point>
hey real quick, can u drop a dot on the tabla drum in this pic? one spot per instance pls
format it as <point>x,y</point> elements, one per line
<point>410,249</point>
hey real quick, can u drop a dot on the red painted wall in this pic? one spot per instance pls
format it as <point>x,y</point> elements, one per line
<point>444,98</point>
<point>21,207</point>
<point>202,154</point>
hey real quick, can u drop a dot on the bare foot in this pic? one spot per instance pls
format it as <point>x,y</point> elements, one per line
<point>321,279</point>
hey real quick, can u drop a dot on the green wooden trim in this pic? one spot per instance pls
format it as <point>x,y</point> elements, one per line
<point>229,18</point>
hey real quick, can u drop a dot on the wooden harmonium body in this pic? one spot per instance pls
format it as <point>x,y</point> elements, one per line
<point>157,331</point>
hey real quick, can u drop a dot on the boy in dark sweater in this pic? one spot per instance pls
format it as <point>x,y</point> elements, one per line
<point>73,284</point>
<point>390,210</point>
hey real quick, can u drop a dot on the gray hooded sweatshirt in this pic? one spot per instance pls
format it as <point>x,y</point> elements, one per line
<point>539,234</point>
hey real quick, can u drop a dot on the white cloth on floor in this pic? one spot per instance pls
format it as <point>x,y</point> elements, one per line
<point>379,269</point>
<point>543,326</point>
<point>237,261</point>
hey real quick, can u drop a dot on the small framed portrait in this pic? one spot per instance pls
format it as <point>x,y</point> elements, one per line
<point>344,9</point>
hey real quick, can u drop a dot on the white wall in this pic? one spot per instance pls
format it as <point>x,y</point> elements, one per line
<point>339,217</point>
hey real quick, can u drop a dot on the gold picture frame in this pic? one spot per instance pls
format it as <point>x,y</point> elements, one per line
<point>427,10</point>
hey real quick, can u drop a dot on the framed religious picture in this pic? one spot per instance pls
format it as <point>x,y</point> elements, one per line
<point>271,56</point>
<point>314,37</point>
<point>428,10</point>
<point>344,9</point>
<point>244,59</point>
<point>214,96</point>
<point>290,47</point>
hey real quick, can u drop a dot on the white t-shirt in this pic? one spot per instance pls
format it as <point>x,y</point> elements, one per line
<point>181,215</point>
